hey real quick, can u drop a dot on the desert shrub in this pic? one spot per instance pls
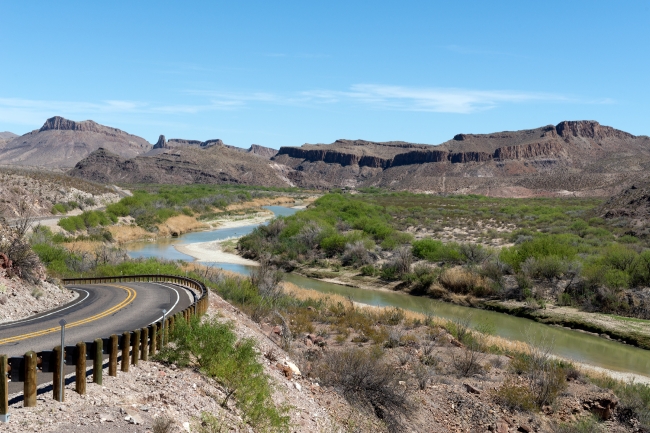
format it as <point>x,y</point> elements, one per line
<point>515,395</point>
<point>356,254</point>
<point>163,424</point>
<point>546,267</point>
<point>543,245</point>
<point>587,424</point>
<point>368,270</point>
<point>634,399</point>
<point>368,383</point>
<point>544,376</point>
<point>37,293</point>
<point>616,279</point>
<point>423,376</point>
<point>333,244</point>
<point>564,299</point>
<point>467,361</point>
<point>402,260</point>
<point>25,262</point>
<point>395,239</point>
<point>495,270</point>
<point>461,280</point>
<point>473,253</point>
<point>435,251</point>
<point>213,347</point>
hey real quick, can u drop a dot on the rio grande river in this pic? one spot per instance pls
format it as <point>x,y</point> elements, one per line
<point>569,344</point>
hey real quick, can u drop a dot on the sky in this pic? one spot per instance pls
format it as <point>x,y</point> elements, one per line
<point>286,73</point>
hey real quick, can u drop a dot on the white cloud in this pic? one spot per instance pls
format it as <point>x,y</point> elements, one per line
<point>18,111</point>
<point>441,100</point>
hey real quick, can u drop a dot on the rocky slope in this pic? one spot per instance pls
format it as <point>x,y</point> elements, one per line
<point>631,207</point>
<point>40,191</point>
<point>180,165</point>
<point>61,143</point>
<point>573,157</point>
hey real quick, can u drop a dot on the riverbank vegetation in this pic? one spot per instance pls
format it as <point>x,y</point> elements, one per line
<point>540,252</point>
<point>152,205</point>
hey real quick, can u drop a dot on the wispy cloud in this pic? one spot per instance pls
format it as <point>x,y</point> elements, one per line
<point>440,100</point>
<point>370,96</point>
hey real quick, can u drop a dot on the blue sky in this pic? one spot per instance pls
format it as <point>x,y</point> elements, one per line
<point>286,73</point>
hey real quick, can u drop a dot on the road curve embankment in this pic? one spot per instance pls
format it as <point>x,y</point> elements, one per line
<point>99,311</point>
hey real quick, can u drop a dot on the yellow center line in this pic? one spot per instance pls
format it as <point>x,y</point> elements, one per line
<point>130,297</point>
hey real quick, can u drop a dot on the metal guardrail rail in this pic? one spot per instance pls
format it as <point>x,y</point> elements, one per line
<point>134,345</point>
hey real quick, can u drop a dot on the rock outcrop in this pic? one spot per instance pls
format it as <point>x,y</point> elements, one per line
<point>161,143</point>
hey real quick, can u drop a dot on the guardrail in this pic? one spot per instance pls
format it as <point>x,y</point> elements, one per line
<point>134,345</point>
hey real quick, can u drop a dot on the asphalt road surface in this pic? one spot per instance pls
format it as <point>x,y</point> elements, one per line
<point>99,311</point>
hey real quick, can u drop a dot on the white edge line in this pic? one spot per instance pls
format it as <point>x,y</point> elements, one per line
<point>178,298</point>
<point>48,314</point>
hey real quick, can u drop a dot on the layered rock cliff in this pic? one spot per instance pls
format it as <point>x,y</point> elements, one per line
<point>569,147</point>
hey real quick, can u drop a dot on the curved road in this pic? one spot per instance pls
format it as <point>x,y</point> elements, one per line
<point>99,311</point>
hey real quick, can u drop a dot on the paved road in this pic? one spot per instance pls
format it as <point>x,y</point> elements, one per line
<point>99,311</point>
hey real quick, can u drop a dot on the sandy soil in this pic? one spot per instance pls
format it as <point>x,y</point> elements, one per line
<point>212,252</point>
<point>240,221</point>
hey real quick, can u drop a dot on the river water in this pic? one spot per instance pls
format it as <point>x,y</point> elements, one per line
<point>567,343</point>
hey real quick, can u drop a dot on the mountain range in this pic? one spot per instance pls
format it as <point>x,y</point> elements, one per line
<point>581,158</point>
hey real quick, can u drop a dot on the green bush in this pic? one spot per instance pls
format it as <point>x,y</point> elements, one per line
<point>213,347</point>
<point>333,244</point>
<point>435,251</point>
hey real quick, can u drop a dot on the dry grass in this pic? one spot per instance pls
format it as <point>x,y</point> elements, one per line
<point>461,280</point>
<point>179,224</point>
<point>259,202</point>
<point>123,234</point>
<point>82,246</point>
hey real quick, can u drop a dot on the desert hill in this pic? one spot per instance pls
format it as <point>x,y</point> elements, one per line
<point>182,165</point>
<point>61,143</point>
<point>573,157</point>
<point>6,137</point>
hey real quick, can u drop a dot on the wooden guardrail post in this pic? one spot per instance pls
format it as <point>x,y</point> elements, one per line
<point>154,337</point>
<point>159,337</point>
<point>56,379</point>
<point>4,390</point>
<point>98,361</point>
<point>126,344</point>
<point>135,353</point>
<point>144,354</point>
<point>112,356</point>
<point>29,388</point>
<point>80,368</point>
